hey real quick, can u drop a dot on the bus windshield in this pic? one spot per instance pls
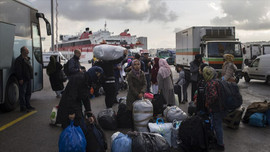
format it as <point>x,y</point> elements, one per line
<point>218,49</point>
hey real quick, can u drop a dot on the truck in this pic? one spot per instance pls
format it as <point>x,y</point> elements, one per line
<point>212,43</point>
<point>19,26</point>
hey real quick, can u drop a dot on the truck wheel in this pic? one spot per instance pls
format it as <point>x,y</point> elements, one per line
<point>247,79</point>
<point>11,95</point>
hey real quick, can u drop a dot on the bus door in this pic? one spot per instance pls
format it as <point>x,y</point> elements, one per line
<point>37,60</point>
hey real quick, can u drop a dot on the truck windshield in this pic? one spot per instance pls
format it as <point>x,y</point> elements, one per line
<point>218,49</point>
<point>266,49</point>
<point>164,54</point>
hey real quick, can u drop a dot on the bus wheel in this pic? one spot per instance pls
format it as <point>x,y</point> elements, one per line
<point>11,95</point>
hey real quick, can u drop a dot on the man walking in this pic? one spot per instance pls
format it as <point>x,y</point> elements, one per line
<point>24,74</point>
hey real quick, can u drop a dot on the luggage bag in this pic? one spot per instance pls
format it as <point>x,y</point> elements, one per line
<point>233,118</point>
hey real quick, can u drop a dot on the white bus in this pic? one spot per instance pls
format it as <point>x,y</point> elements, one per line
<point>19,26</point>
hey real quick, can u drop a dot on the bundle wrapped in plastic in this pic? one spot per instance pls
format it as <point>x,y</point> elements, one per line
<point>142,113</point>
<point>122,143</point>
<point>174,113</point>
<point>108,52</point>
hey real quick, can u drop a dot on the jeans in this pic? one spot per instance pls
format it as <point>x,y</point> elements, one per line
<point>217,124</point>
<point>25,94</point>
<point>148,81</point>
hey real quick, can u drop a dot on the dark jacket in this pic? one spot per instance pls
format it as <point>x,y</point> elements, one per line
<point>147,69</point>
<point>23,69</point>
<point>194,71</point>
<point>76,93</point>
<point>135,87</point>
<point>55,78</point>
<point>108,67</point>
<point>74,65</point>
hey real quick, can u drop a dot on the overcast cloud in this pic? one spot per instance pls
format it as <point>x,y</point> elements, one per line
<point>245,14</point>
<point>91,10</point>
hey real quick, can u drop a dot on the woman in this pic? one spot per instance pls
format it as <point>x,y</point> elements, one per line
<point>213,104</point>
<point>154,73</point>
<point>165,82</point>
<point>76,93</point>
<point>228,68</point>
<point>56,76</point>
<point>136,83</point>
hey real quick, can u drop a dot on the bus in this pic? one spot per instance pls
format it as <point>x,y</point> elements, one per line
<point>19,26</point>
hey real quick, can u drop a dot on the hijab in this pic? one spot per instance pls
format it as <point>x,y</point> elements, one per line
<point>51,68</point>
<point>164,68</point>
<point>209,73</point>
<point>136,72</point>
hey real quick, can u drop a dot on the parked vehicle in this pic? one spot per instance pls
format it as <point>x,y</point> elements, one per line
<point>58,55</point>
<point>19,26</point>
<point>212,43</point>
<point>258,69</point>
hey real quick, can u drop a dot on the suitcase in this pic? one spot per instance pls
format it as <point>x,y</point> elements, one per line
<point>233,118</point>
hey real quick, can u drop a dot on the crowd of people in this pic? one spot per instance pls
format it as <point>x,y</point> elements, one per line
<point>141,74</point>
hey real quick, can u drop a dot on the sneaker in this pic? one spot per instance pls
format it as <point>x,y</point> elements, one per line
<point>31,108</point>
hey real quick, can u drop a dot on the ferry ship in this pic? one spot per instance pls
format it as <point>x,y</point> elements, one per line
<point>87,40</point>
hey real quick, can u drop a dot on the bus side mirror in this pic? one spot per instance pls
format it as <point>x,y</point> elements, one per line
<point>48,26</point>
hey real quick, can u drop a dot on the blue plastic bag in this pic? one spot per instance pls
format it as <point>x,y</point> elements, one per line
<point>72,139</point>
<point>257,119</point>
<point>122,143</point>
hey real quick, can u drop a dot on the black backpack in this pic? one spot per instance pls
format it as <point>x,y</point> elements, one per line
<point>66,69</point>
<point>124,116</point>
<point>229,95</point>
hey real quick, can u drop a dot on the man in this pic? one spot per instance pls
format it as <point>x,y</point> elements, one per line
<point>147,69</point>
<point>24,74</point>
<point>194,70</point>
<point>108,81</point>
<point>74,65</point>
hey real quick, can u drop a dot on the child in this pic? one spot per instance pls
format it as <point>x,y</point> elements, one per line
<point>181,84</point>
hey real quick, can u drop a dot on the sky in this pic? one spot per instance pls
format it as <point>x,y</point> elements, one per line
<point>159,20</point>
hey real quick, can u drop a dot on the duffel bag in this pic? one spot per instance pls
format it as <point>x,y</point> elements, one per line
<point>174,113</point>
<point>257,119</point>
<point>107,119</point>
<point>142,113</point>
<point>161,128</point>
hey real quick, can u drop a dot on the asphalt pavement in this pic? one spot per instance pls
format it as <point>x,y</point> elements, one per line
<point>34,134</point>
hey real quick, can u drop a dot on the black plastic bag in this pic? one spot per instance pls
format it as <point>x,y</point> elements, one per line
<point>124,116</point>
<point>107,119</point>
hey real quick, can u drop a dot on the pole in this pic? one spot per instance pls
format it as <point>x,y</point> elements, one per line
<point>52,26</point>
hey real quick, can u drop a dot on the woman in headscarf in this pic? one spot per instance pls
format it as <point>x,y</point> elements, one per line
<point>165,82</point>
<point>213,103</point>
<point>76,93</point>
<point>228,68</point>
<point>154,73</point>
<point>55,73</point>
<point>136,83</point>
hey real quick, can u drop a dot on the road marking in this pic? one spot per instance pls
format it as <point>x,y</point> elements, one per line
<point>16,120</point>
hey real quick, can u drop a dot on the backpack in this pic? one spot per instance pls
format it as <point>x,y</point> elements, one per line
<point>229,95</point>
<point>66,69</point>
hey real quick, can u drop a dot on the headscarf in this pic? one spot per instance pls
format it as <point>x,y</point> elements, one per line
<point>136,72</point>
<point>92,73</point>
<point>154,71</point>
<point>209,73</point>
<point>228,58</point>
<point>164,68</point>
<point>51,68</point>
<point>129,60</point>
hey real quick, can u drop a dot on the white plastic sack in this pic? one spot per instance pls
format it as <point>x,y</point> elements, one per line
<point>53,115</point>
<point>162,128</point>
<point>142,113</point>
<point>108,52</point>
<point>174,113</point>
